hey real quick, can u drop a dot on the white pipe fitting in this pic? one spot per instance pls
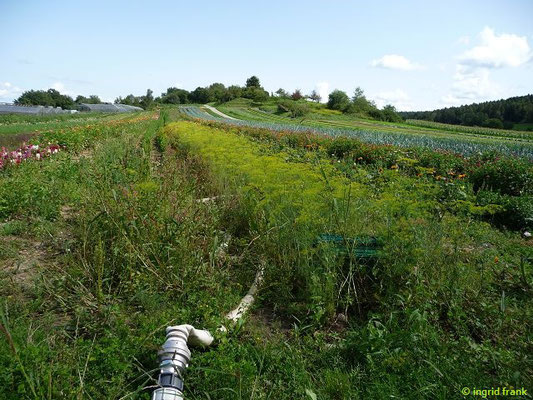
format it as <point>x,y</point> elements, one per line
<point>174,359</point>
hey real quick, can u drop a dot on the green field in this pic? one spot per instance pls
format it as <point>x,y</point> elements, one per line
<point>16,124</point>
<point>467,141</point>
<point>106,242</point>
<point>322,117</point>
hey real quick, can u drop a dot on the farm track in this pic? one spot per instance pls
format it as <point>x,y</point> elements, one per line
<point>219,113</point>
<point>156,158</point>
<point>28,256</point>
<point>21,268</point>
<point>13,141</point>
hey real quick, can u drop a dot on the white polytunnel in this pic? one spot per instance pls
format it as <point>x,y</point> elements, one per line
<point>6,108</point>
<point>104,107</point>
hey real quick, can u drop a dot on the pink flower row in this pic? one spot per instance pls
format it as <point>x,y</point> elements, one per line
<point>26,152</point>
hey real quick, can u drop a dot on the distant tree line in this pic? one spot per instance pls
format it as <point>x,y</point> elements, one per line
<point>50,98</point>
<point>295,103</point>
<point>88,100</point>
<point>492,114</point>
<point>53,98</point>
<point>145,101</point>
<point>215,92</point>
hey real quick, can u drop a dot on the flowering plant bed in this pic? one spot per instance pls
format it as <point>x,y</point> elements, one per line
<point>25,153</point>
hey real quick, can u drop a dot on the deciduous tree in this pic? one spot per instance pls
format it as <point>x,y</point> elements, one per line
<point>315,96</point>
<point>253,81</point>
<point>338,100</point>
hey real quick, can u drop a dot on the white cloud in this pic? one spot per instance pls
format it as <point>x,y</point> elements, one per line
<point>60,87</point>
<point>464,40</point>
<point>497,51</point>
<point>398,98</point>
<point>8,92</point>
<point>394,61</point>
<point>471,81</point>
<point>323,90</point>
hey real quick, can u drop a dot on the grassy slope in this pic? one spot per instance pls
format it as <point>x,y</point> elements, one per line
<point>377,132</point>
<point>318,117</point>
<point>125,250</point>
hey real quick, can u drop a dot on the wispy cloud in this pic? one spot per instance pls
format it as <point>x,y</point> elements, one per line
<point>70,80</point>
<point>60,87</point>
<point>24,61</point>
<point>471,84</point>
<point>465,40</point>
<point>395,61</point>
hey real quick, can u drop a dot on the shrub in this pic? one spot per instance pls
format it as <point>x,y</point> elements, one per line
<point>299,110</point>
<point>295,109</point>
<point>506,176</point>
<point>494,123</point>
<point>338,100</point>
<point>513,212</point>
<point>341,146</point>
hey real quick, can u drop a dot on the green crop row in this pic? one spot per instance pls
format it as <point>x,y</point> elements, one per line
<point>471,129</point>
<point>509,179</point>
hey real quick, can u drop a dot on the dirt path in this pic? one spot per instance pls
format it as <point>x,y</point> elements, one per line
<point>13,141</point>
<point>26,258</point>
<point>213,109</point>
<point>156,159</point>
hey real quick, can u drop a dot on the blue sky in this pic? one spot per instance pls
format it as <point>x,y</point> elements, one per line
<point>414,54</point>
